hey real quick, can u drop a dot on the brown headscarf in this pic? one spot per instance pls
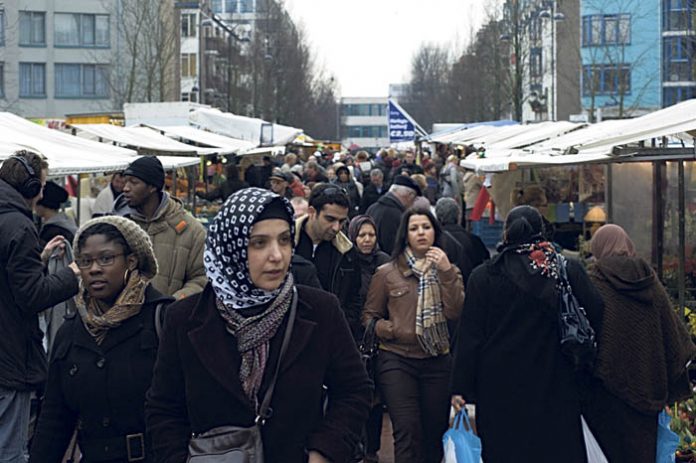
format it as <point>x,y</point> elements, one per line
<point>611,240</point>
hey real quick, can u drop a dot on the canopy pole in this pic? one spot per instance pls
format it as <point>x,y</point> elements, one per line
<point>682,237</point>
<point>658,218</point>
<point>609,192</point>
<point>79,201</point>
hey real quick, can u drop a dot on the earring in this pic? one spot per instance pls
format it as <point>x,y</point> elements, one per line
<point>126,277</point>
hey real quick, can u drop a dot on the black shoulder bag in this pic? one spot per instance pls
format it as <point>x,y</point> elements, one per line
<point>576,334</point>
<point>235,444</point>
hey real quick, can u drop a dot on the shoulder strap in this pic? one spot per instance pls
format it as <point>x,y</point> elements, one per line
<point>263,413</point>
<point>158,320</point>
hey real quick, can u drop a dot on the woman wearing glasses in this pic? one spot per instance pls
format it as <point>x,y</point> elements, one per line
<point>411,298</point>
<point>103,357</point>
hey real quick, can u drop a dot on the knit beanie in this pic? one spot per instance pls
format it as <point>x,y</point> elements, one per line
<point>148,169</point>
<point>53,196</point>
<point>136,238</point>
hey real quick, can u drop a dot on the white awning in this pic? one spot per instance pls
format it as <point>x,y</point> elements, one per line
<point>241,127</point>
<point>225,145</point>
<point>66,154</point>
<point>141,138</point>
<point>594,143</point>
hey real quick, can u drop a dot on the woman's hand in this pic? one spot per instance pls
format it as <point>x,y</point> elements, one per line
<point>316,457</point>
<point>458,402</point>
<point>56,242</point>
<point>437,257</point>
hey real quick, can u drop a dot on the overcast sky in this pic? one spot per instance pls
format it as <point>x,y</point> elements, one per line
<point>368,44</point>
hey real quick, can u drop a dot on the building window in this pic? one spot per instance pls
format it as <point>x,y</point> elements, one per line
<point>188,65</point>
<point>365,110</point>
<point>188,25</point>
<point>216,6</point>
<point>246,6</point>
<point>2,80</point>
<point>674,95</point>
<point>81,81</point>
<point>606,79</point>
<point>608,29</point>
<point>535,64</point>
<point>678,53</point>
<point>32,28</point>
<point>678,15</point>
<point>366,131</point>
<point>32,80</point>
<point>81,30</point>
<point>2,28</point>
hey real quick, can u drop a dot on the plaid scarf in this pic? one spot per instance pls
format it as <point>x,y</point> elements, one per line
<point>254,334</point>
<point>99,320</point>
<point>431,325</point>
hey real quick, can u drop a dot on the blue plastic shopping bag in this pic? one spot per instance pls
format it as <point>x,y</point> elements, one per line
<point>667,440</point>
<point>460,442</point>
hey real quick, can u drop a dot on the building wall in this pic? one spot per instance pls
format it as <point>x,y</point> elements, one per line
<point>678,51</point>
<point>641,55</point>
<point>12,54</point>
<point>363,122</point>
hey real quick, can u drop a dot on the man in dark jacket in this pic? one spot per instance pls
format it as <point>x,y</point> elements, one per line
<point>387,211</point>
<point>375,190</point>
<point>319,239</point>
<point>449,214</point>
<point>24,292</point>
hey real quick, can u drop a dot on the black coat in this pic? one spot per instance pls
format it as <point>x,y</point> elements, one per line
<point>508,362</point>
<point>102,386</point>
<point>196,384</point>
<point>223,191</point>
<point>24,292</point>
<point>386,213</point>
<point>304,272</point>
<point>371,196</point>
<point>474,249</point>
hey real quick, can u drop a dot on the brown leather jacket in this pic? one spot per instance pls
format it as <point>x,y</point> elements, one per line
<point>392,299</point>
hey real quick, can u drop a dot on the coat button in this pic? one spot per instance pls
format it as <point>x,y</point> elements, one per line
<point>101,362</point>
<point>106,422</point>
<point>73,370</point>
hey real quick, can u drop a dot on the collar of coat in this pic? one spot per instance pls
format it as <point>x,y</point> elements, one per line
<point>341,242</point>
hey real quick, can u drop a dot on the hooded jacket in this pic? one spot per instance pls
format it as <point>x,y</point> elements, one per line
<point>178,240</point>
<point>386,213</point>
<point>338,270</point>
<point>59,224</point>
<point>643,347</point>
<point>24,292</point>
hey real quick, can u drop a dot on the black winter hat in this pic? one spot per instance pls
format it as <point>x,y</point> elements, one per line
<point>405,180</point>
<point>53,196</point>
<point>148,169</point>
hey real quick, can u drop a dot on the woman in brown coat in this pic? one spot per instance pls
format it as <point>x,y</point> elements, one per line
<point>643,350</point>
<point>412,297</point>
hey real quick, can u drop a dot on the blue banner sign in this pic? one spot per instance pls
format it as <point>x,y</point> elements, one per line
<point>401,126</point>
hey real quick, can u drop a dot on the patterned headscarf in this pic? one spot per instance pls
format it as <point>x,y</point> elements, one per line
<point>225,257</point>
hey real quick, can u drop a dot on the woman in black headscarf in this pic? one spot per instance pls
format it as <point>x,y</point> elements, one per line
<point>508,359</point>
<point>220,348</point>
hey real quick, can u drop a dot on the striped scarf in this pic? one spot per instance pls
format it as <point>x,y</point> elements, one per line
<point>431,325</point>
<point>254,334</point>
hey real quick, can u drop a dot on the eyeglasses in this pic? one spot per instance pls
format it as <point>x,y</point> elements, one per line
<point>102,261</point>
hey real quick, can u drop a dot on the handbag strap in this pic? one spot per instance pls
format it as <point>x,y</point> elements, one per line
<point>265,410</point>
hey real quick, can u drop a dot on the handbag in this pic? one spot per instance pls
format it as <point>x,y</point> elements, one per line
<point>460,443</point>
<point>369,349</point>
<point>577,337</point>
<point>667,440</point>
<point>237,444</point>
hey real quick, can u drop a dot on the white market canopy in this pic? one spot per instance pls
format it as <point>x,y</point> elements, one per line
<point>66,154</point>
<point>594,143</point>
<point>224,144</point>
<point>141,138</point>
<point>256,131</point>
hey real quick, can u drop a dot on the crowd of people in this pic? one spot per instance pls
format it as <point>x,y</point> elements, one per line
<point>143,336</point>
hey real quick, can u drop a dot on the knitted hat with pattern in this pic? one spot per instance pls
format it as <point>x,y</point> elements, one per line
<point>136,238</point>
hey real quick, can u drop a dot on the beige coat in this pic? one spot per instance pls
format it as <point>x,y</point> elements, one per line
<point>178,240</point>
<point>393,298</point>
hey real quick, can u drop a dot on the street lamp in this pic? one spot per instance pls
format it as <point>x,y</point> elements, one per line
<point>556,16</point>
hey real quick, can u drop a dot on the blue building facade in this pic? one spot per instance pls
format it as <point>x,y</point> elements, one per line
<point>621,44</point>
<point>678,51</point>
